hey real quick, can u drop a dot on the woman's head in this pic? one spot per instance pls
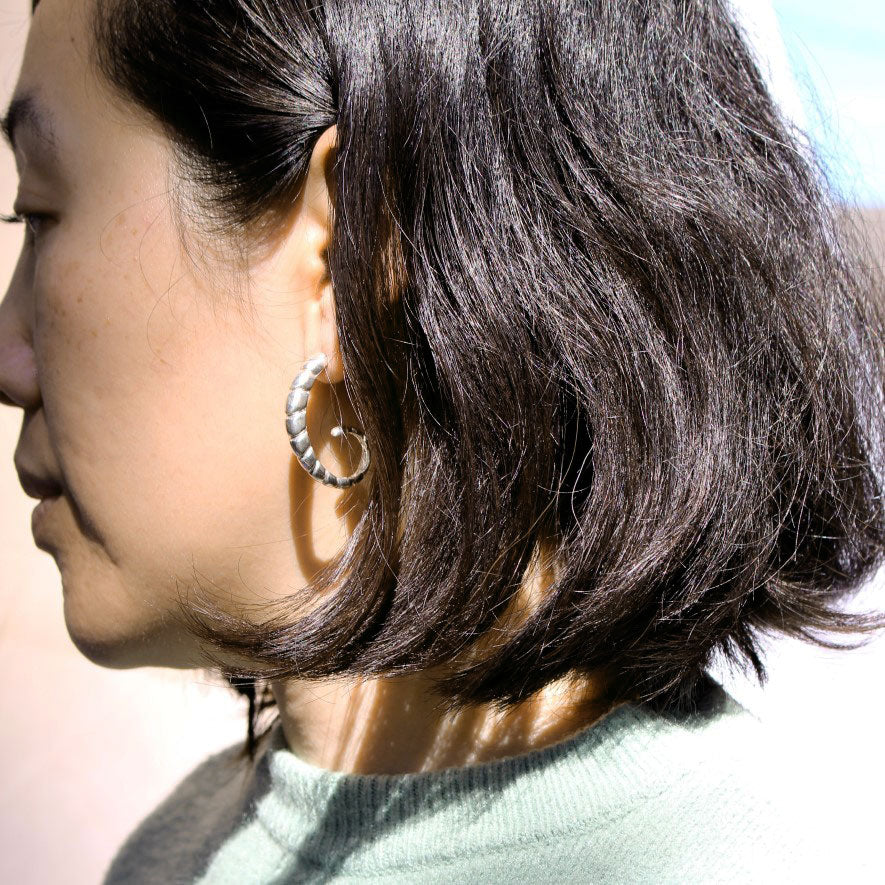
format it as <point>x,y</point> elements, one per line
<point>585,300</point>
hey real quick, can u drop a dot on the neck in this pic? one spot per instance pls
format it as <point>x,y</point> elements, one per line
<point>397,725</point>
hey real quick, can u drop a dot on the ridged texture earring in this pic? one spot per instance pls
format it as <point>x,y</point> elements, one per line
<point>296,425</point>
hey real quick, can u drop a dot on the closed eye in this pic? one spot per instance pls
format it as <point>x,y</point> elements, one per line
<point>33,220</point>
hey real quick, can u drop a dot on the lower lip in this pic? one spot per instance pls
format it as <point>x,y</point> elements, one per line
<point>38,515</point>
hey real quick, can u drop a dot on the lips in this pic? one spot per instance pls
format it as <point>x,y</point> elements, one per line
<point>39,486</point>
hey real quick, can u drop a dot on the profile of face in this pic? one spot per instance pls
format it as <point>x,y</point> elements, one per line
<point>153,370</point>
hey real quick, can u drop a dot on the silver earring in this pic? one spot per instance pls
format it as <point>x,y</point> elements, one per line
<point>296,425</point>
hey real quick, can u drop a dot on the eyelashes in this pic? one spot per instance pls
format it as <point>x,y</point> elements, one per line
<point>32,220</point>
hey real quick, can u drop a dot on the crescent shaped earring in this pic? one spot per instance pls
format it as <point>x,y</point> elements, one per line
<point>296,425</point>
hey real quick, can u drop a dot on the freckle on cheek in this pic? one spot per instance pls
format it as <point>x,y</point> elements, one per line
<point>71,269</point>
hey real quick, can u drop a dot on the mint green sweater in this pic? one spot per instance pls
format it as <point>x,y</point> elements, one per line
<point>635,798</point>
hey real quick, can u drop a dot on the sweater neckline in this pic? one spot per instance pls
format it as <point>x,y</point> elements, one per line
<point>321,814</point>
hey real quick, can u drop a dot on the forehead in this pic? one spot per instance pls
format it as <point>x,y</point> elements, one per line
<point>61,106</point>
<point>47,83</point>
<point>58,43</point>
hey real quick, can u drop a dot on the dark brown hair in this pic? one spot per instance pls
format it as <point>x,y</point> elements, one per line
<point>590,294</point>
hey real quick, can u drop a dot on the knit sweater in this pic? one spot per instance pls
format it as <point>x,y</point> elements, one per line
<point>637,797</point>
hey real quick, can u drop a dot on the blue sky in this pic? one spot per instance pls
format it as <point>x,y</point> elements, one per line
<point>837,53</point>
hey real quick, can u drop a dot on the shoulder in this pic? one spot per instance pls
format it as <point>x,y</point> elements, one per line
<point>714,798</point>
<point>645,798</point>
<point>179,835</point>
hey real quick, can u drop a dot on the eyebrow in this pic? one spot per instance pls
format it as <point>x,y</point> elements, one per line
<point>24,110</point>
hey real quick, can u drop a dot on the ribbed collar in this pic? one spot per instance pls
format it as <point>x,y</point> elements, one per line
<point>323,815</point>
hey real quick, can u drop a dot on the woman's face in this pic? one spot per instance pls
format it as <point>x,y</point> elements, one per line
<point>149,394</point>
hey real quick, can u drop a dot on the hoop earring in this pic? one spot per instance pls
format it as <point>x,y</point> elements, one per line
<point>296,425</point>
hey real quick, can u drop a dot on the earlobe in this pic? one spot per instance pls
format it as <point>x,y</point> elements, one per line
<point>328,334</point>
<point>320,332</point>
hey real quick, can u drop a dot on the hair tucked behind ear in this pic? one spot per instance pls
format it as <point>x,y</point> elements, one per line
<point>591,299</point>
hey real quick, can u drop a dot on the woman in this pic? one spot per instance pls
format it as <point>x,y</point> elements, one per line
<point>610,389</point>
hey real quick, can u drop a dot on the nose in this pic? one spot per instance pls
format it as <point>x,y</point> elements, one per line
<point>18,365</point>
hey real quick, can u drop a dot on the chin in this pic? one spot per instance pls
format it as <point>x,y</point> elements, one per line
<point>120,643</point>
<point>119,654</point>
<point>104,652</point>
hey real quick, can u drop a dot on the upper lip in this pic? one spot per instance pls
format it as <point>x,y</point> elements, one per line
<point>38,486</point>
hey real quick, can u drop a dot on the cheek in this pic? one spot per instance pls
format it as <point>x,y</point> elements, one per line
<point>165,422</point>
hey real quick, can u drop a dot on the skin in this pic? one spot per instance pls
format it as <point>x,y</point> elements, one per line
<point>152,372</point>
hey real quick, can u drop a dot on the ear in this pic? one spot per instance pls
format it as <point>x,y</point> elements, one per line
<point>320,333</point>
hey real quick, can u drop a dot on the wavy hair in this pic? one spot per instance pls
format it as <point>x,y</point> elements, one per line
<point>594,304</point>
